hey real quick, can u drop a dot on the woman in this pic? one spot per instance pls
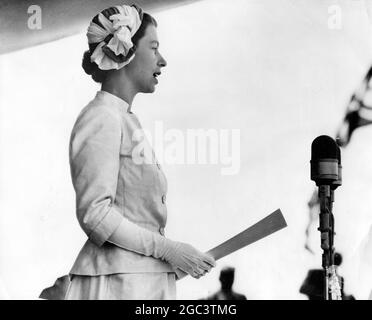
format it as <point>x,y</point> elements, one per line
<point>120,192</point>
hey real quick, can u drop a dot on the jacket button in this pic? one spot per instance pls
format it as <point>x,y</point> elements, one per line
<point>161,230</point>
<point>163,198</point>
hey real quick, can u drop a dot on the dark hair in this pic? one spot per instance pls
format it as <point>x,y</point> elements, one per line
<point>227,271</point>
<point>91,68</point>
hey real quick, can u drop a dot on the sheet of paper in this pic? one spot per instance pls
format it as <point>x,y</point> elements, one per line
<point>268,225</point>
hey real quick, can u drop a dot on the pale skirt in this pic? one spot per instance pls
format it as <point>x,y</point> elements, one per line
<point>123,286</point>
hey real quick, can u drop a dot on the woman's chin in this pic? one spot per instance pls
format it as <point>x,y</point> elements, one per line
<point>151,89</point>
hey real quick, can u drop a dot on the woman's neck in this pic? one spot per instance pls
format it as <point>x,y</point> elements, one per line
<point>124,92</point>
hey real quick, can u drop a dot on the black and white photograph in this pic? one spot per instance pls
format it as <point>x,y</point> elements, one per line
<point>186,150</point>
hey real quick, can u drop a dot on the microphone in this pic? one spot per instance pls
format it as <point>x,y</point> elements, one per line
<point>326,171</point>
<point>325,162</point>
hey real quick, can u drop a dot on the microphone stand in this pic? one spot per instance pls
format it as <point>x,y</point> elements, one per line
<point>326,171</point>
<point>326,228</point>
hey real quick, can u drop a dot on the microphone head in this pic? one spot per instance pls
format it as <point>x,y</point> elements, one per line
<point>325,159</point>
<point>324,147</point>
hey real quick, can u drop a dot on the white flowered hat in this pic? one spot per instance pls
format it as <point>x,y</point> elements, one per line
<point>113,36</point>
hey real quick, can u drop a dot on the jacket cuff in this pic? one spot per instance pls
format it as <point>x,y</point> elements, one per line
<point>106,227</point>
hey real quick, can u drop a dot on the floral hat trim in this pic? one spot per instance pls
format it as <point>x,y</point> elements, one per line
<point>115,48</point>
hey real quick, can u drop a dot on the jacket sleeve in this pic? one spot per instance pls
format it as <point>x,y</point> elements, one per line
<point>94,163</point>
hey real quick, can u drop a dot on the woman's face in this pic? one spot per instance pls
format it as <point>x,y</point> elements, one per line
<point>145,66</point>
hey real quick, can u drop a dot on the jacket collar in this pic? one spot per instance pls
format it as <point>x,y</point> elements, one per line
<point>113,100</point>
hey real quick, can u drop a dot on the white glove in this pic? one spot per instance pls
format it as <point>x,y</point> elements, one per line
<point>188,259</point>
<point>180,255</point>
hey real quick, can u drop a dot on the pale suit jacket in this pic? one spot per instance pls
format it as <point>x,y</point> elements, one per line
<point>111,186</point>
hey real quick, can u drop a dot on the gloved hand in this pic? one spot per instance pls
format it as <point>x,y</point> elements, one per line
<point>186,258</point>
<point>180,255</point>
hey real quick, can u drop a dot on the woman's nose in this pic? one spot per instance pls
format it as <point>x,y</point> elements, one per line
<point>162,62</point>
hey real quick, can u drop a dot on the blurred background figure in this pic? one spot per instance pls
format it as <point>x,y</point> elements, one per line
<point>313,285</point>
<point>226,292</point>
